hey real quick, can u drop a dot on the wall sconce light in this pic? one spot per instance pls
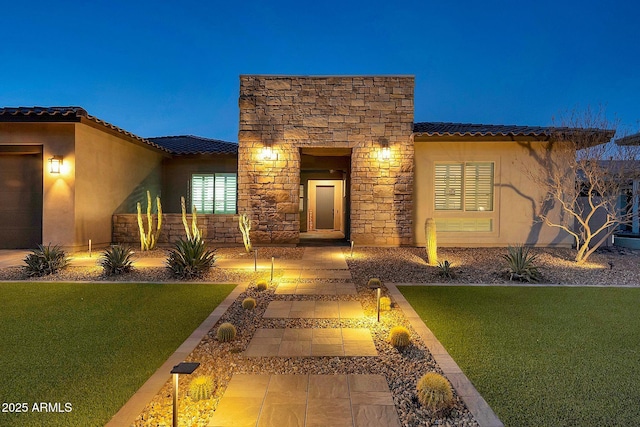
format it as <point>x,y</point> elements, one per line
<point>55,164</point>
<point>385,152</point>
<point>268,153</point>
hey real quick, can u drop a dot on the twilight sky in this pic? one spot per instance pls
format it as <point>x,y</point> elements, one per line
<point>160,68</point>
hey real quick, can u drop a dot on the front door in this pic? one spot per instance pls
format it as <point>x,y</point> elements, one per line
<point>324,207</point>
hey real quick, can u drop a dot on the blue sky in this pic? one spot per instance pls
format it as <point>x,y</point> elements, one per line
<point>169,68</point>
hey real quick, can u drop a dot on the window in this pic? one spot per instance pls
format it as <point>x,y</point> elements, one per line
<point>464,186</point>
<point>214,193</point>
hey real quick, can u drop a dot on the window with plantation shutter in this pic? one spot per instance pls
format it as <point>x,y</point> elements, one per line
<point>478,187</point>
<point>448,186</point>
<point>225,193</point>
<point>214,193</point>
<point>464,186</point>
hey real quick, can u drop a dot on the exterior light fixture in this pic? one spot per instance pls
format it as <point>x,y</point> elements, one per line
<point>180,368</point>
<point>376,285</point>
<point>55,164</point>
<point>385,152</point>
<point>268,153</point>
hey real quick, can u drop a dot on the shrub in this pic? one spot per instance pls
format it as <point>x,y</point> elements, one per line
<point>385,303</point>
<point>445,269</point>
<point>434,392</point>
<point>374,283</point>
<point>226,332</point>
<point>399,336</point>
<point>201,388</point>
<point>45,260</point>
<point>249,303</point>
<point>116,260</point>
<point>522,264</point>
<point>190,259</point>
<point>262,285</point>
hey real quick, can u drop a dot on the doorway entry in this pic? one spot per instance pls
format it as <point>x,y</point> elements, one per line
<point>325,205</point>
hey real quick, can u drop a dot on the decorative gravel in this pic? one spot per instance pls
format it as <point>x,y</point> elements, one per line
<point>402,368</point>
<point>618,267</point>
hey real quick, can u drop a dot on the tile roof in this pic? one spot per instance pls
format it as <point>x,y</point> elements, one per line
<point>189,144</point>
<point>629,140</point>
<point>471,129</point>
<point>63,114</point>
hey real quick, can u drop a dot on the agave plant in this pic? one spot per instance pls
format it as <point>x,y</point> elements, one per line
<point>522,264</point>
<point>116,260</point>
<point>45,260</point>
<point>190,258</point>
<point>445,269</point>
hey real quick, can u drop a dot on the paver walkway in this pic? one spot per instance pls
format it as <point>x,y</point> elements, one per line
<point>306,400</point>
<point>296,288</point>
<point>306,342</point>
<point>314,310</point>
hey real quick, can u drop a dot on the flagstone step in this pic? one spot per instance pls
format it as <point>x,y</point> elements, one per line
<point>316,289</point>
<point>311,342</point>
<point>314,310</point>
<point>306,401</point>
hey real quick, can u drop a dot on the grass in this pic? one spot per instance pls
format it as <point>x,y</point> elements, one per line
<point>90,345</point>
<point>543,356</point>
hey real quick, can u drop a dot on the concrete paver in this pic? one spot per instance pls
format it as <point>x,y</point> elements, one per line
<point>314,310</point>
<point>316,289</point>
<point>306,401</point>
<point>309,342</point>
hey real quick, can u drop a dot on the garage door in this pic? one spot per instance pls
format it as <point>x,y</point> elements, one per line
<point>20,197</point>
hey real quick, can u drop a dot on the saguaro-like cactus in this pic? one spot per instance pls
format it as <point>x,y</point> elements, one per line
<point>192,232</point>
<point>148,239</point>
<point>245,227</point>
<point>432,244</point>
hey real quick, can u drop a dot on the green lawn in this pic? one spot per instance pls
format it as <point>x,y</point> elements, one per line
<point>90,345</point>
<point>543,356</point>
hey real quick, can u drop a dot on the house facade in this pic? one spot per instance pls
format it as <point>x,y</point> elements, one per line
<point>314,154</point>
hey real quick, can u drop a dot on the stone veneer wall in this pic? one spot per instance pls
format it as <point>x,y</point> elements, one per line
<point>216,228</point>
<point>356,112</point>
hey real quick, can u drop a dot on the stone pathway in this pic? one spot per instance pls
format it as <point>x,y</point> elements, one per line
<point>308,342</point>
<point>310,400</point>
<point>306,400</point>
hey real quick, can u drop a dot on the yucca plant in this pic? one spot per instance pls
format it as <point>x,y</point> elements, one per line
<point>399,336</point>
<point>445,269</point>
<point>116,260</point>
<point>522,264</point>
<point>434,392</point>
<point>190,258</point>
<point>45,260</point>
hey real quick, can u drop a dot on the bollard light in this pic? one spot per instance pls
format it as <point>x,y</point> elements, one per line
<point>352,242</point>
<point>181,368</point>
<point>255,260</point>
<point>272,262</point>
<point>376,284</point>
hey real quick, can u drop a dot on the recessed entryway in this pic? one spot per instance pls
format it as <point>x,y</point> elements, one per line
<point>20,197</point>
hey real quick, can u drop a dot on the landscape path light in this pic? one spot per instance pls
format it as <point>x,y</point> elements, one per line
<point>185,368</point>
<point>375,284</point>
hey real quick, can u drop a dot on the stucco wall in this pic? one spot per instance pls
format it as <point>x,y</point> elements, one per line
<point>516,198</point>
<point>356,112</point>
<point>112,174</point>
<point>58,189</point>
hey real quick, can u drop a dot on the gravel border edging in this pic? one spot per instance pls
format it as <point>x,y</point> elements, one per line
<point>476,404</point>
<point>144,395</point>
